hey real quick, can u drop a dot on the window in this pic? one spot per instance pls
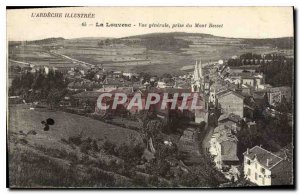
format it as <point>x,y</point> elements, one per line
<point>263,181</point>
<point>255,176</point>
<point>263,170</point>
<point>255,165</point>
<point>249,172</point>
<point>248,162</point>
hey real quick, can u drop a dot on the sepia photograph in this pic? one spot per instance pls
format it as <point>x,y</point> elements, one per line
<point>150,97</point>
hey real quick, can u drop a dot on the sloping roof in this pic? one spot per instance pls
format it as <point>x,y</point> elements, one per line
<point>226,136</point>
<point>230,116</point>
<point>220,95</point>
<point>262,156</point>
<point>221,128</point>
<point>221,92</point>
<point>229,157</point>
<point>223,133</point>
<point>218,87</point>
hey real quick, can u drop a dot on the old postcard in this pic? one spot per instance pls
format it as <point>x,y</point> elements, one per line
<point>150,97</point>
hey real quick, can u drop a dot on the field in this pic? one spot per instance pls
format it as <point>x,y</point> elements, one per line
<point>138,57</point>
<point>55,162</point>
<point>66,125</point>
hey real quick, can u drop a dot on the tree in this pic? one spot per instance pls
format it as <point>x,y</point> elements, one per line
<point>54,97</point>
<point>153,128</point>
<point>101,43</point>
<point>284,106</point>
<point>90,75</point>
<point>166,75</point>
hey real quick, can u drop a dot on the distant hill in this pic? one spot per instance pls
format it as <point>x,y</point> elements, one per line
<point>177,40</point>
<point>152,35</point>
<point>169,41</point>
<point>40,42</point>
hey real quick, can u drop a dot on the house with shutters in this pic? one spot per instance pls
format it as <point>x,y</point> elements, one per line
<point>265,168</point>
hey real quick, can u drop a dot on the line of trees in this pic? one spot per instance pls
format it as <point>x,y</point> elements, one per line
<point>256,59</point>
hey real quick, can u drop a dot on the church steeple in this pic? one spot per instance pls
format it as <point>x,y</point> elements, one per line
<point>198,74</point>
<point>197,77</point>
<point>200,70</point>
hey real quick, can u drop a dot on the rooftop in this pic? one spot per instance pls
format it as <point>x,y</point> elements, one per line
<point>264,157</point>
<point>230,116</point>
<point>222,94</point>
<point>223,133</point>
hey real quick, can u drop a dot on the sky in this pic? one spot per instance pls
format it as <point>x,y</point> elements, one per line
<point>236,22</point>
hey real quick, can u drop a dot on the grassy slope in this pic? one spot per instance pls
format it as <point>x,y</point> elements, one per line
<point>55,163</point>
<point>66,125</point>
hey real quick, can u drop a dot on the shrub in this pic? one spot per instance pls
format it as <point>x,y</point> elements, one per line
<point>75,140</point>
<point>64,141</point>
<point>23,141</point>
<point>109,147</point>
<point>85,146</point>
<point>95,146</point>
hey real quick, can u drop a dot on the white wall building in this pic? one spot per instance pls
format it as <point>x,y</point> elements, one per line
<point>265,168</point>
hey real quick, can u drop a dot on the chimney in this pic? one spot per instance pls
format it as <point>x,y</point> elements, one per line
<point>267,162</point>
<point>247,150</point>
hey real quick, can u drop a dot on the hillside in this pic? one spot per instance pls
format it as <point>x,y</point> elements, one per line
<point>54,158</point>
<point>78,151</point>
<point>145,53</point>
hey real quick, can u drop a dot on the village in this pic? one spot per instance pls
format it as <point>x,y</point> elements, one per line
<point>236,103</point>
